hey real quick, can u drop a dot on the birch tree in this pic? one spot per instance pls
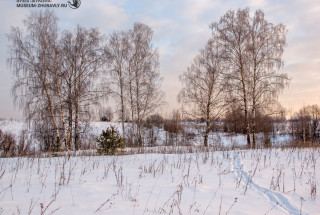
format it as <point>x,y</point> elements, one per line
<point>204,87</point>
<point>54,76</point>
<point>118,53</point>
<point>33,59</point>
<point>144,80</point>
<point>253,49</point>
<point>84,58</point>
<point>232,33</point>
<point>265,47</point>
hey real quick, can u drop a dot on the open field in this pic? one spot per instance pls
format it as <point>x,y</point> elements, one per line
<point>268,181</point>
<point>163,180</point>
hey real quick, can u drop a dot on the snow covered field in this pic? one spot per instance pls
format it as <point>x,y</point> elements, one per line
<point>262,181</point>
<point>267,181</point>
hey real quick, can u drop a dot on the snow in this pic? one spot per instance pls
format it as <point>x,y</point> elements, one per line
<point>197,183</point>
<point>262,181</point>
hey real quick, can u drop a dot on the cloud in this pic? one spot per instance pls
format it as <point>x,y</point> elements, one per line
<point>181,29</point>
<point>102,14</point>
<point>194,9</point>
<point>257,3</point>
<point>7,9</point>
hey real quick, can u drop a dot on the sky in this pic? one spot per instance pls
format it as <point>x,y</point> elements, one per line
<point>181,29</point>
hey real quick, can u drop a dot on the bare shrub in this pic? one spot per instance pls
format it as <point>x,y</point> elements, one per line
<point>155,120</point>
<point>173,128</point>
<point>8,145</point>
<point>44,133</point>
<point>24,145</point>
<point>130,136</point>
<point>151,129</point>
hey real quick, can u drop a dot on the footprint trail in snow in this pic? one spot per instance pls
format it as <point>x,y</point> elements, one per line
<point>274,197</point>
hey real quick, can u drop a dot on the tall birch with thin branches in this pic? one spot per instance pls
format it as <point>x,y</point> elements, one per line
<point>55,76</point>
<point>232,33</point>
<point>34,61</point>
<point>84,58</point>
<point>117,51</point>
<point>253,49</point>
<point>265,47</point>
<point>144,80</point>
<point>205,87</point>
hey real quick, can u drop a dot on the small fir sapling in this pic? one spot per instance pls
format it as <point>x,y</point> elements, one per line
<point>109,141</point>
